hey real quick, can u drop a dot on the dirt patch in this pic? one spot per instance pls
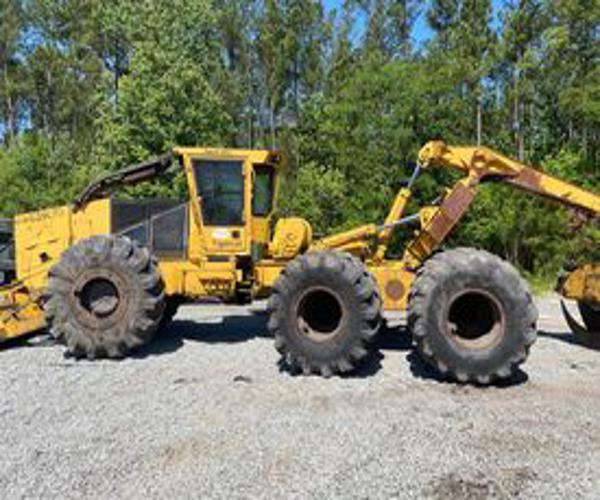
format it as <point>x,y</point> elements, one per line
<point>509,483</point>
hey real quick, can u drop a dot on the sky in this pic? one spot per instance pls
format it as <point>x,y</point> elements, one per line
<point>421,31</point>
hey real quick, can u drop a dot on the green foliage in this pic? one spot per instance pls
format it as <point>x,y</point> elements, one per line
<point>36,174</point>
<point>372,129</point>
<point>517,227</point>
<point>167,96</point>
<point>317,194</point>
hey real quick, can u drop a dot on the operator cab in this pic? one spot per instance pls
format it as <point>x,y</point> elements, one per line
<point>227,214</point>
<point>220,185</point>
<point>232,198</point>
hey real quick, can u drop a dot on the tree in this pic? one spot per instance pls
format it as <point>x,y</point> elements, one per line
<point>64,73</point>
<point>291,42</point>
<point>524,23</point>
<point>465,42</point>
<point>389,26</point>
<point>375,37</point>
<point>442,17</point>
<point>401,16</point>
<point>113,45</point>
<point>11,70</point>
<point>169,94</point>
<point>370,130</point>
<point>343,55</point>
<point>236,24</point>
<point>574,54</point>
<point>273,60</point>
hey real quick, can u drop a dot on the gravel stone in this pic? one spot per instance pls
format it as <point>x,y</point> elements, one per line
<point>206,411</point>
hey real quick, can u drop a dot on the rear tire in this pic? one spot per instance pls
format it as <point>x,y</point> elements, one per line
<point>472,316</point>
<point>104,298</point>
<point>325,312</point>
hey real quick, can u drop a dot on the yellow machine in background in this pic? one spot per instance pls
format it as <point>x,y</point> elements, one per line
<point>104,274</point>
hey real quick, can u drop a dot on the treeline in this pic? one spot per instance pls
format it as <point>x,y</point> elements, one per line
<point>349,96</point>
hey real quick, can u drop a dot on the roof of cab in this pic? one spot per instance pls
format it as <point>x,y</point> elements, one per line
<point>253,155</point>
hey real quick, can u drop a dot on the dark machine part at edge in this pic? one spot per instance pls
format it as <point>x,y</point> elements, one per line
<point>131,175</point>
<point>7,252</point>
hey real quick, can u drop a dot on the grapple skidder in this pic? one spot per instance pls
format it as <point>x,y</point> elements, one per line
<point>104,274</point>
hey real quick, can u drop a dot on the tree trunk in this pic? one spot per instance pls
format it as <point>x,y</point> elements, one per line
<point>117,76</point>
<point>518,126</point>
<point>10,115</point>
<point>296,88</point>
<point>479,122</point>
<point>272,122</point>
<point>521,132</point>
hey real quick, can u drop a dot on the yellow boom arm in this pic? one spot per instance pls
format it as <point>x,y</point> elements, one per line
<point>481,163</point>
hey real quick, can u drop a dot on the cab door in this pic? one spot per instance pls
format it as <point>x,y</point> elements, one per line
<point>263,194</point>
<point>223,200</point>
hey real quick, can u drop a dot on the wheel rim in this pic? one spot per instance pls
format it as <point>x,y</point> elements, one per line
<point>320,314</point>
<point>100,297</point>
<point>475,320</point>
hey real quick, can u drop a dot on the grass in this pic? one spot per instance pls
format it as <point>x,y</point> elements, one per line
<point>541,284</point>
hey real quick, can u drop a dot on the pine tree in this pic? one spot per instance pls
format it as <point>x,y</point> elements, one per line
<point>236,24</point>
<point>171,93</point>
<point>291,43</point>
<point>575,57</point>
<point>64,72</point>
<point>273,60</point>
<point>442,17</point>
<point>375,37</point>
<point>113,45</point>
<point>389,26</point>
<point>401,16</point>
<point>343,55</point>
<point>11,70</point>
<point>524,23</point>
<point>465,43</point>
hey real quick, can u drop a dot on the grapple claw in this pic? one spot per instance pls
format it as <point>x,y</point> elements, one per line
<point>584,336</point>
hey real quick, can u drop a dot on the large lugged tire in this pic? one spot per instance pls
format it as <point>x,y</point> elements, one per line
<point>472,316</point>
<point>325,311</point>
<point>104,297</point>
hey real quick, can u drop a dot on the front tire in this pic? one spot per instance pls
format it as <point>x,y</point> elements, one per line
<point>325,311</point>
<point>104,298</point>
<point>472,316</point>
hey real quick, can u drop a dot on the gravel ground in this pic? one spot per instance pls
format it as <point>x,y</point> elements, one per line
<point>205,412</point>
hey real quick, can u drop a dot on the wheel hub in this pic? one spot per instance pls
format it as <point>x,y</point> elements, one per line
<point>100,297</point>
<point>320,314</point>
<point>475,320</point>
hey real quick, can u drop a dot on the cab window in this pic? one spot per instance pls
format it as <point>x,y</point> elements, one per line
<point>262,200</point>
<point>221,188</point>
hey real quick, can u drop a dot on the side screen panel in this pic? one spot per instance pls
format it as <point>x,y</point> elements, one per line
<point>161,225</point>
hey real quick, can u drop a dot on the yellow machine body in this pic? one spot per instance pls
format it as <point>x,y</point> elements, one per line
<point>223,260</point>
<point>209,267</point>
<point>583,284</point>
